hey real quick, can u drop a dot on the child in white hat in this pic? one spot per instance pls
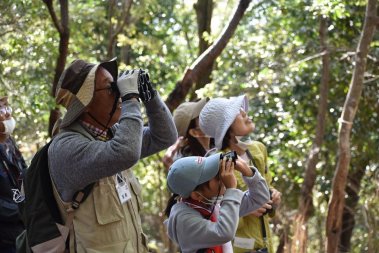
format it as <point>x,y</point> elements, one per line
<point>195,220</point>
<point>227,121</point>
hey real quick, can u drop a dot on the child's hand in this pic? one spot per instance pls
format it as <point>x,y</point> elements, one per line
<point>276,197</point>
<point>227,174</point>
<point>243,167</point>
<point>262,210</point>
<point>168,158</point>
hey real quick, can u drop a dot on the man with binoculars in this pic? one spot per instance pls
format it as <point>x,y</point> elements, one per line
<point>100,138</point>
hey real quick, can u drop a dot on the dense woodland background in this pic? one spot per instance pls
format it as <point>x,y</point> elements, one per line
<point>304,65</point>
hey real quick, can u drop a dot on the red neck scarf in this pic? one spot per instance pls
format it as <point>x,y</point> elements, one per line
<point>206,212</point>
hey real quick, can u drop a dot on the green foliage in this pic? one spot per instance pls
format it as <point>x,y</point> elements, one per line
<point>27,64</point>
<point>273,57</point>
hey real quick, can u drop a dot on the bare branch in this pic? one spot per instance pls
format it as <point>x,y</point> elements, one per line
<point>207,58</point>
<point>64,35</point>
<point>50,7</point>
<point>124,16</point>
<point>309,58</point>
<point>113,32</point>
<point>371,80</point>
<point>6,32</point>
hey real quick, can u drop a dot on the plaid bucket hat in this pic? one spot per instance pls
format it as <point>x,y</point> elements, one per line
<point>76,87</point>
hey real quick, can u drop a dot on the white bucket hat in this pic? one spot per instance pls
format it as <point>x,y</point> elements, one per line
<point>219,114</point>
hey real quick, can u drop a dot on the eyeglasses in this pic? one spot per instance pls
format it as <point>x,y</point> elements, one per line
<point>112,89</point>
<point>109,88</point>
<point>6,110</point>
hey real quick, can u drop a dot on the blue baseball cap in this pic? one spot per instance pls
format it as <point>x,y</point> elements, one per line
<point>187,173</point>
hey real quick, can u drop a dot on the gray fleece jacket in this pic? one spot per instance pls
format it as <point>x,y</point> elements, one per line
<point>76,161</point>
<point>188,228</point>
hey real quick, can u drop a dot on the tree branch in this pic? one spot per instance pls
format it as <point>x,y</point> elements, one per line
<point>113,32</point>
<point>6,32</point>
<point>50,7</point>
<point>64,36</point>
<point>207,58</point>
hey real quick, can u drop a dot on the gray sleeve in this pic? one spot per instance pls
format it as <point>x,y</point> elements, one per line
<point>76,161</point>
<point>194,232</point>
<point>161,132</point>
<point>257,195</point>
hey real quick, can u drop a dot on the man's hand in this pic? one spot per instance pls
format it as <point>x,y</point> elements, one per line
<point>145,88</point>
<point>127,83</point>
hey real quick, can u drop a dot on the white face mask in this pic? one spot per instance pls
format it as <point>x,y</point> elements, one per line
<point>9,126</point>
<point>244,141</point>
<point>212,201</point>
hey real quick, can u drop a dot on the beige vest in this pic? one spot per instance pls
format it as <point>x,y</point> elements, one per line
<point>103,224</point>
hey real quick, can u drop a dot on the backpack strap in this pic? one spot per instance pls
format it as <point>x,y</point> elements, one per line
<point>78,198</point>
<point>69,210</point>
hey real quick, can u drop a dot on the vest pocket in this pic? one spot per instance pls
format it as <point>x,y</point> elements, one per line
<point>107,204</point>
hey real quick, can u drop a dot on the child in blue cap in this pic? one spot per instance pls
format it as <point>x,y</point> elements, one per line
<point>234,127</point>
<point>196,222</point>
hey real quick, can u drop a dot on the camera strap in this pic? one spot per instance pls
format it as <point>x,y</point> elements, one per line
<point>251,158</point>
<point>262,221</point>
<point>264,235</point>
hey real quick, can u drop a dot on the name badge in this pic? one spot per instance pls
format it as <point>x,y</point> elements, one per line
<point>123,190</point>
<point>244,243</point>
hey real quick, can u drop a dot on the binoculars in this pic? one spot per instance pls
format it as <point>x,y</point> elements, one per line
<point>231,155</point>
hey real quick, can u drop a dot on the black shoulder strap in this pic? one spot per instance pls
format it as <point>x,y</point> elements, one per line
<point>248,153</point>
<point>262,221</point>
<point>264,234</point>
<point>81,195</point>
<point>253,160</point>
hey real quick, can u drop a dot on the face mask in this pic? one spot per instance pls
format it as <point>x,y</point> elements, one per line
<point>244,141</point>
<point>9,126</point>
<point>212,201</point>
<point>217,200</point>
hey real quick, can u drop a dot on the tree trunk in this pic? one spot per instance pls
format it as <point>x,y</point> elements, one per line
<point>299,243</point>
<point>284,238</point>
<point>121,22</point>
<point>206,59</point>
<point>204,9</point>
<point>64,37</point>
<point>336,204</point>
<point>348,219</point>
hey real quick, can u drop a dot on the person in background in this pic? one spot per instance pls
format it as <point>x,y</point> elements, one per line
<point>196,220</point>
<point>12,167</point>
<point>192,141</point>
<point>100,138</point>
<point>233,133</point>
